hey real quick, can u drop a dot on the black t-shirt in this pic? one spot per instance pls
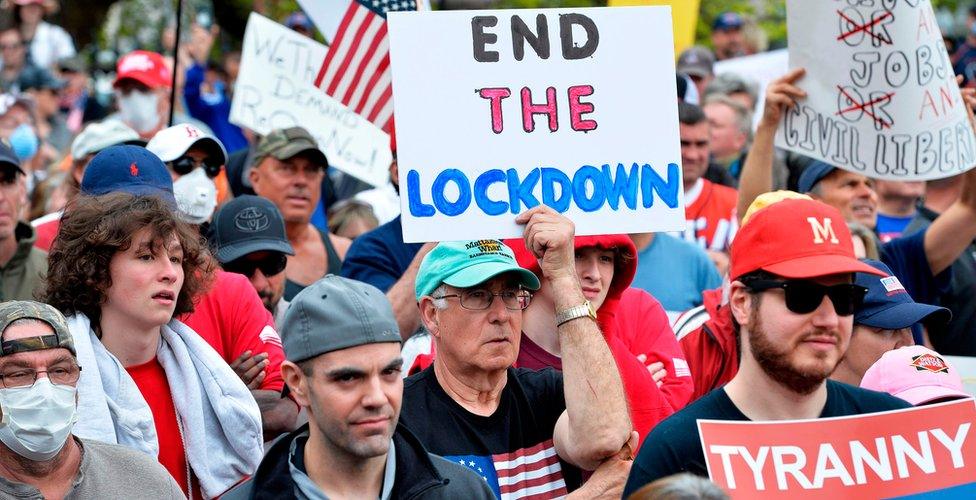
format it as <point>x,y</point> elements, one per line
<point>675,445</point>
<point>516,439</point>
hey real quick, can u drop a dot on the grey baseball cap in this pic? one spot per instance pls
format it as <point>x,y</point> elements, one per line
<point>336,313</point>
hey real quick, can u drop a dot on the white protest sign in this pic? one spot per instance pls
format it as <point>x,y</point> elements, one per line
<point>274,90</point>
<point>883,100</point>
<point>499,111</point>
<point>759,69</point>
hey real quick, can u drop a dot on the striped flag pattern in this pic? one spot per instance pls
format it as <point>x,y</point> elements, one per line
<point>528,473</point>
<point>356,70</point>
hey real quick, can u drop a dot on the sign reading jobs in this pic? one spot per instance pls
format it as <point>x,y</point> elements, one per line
<point>274,90</point>
<point>500,111</point>
<point>885,102</point>
<point>881,455</point>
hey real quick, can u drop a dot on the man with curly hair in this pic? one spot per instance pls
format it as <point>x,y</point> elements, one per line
<point>123,268</point>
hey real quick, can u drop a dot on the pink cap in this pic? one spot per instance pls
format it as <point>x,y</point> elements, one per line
<point>916,374</point>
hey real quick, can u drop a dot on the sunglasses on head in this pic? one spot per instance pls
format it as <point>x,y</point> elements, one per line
<point>803,297</point>
<point>185,164</point>
<point>269,266</point>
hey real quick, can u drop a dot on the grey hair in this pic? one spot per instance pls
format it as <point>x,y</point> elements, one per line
<point>732,83</point>
<point>743,117</point>
<point>440,291</point>
<point>682,486</point>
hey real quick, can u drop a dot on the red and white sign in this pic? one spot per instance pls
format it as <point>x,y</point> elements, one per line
<point>880,455</point>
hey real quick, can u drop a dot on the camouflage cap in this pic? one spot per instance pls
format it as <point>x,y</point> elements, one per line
<point>24,309</point>
<point>284,143</point>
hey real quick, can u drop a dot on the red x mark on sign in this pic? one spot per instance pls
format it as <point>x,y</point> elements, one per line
<point>867,107</point>
<point>867,28</point>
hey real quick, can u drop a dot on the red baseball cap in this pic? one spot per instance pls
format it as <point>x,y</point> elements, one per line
<point>146,67</point>
<point>797,239</point>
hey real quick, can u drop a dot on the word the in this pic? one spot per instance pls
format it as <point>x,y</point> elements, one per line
<point>577,108</point>
<point>589,189</point>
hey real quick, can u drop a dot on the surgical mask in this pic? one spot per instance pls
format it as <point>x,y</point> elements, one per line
<point>24,142</point>
<point>196,196</point>
<point>140,110</point>
<point>37,420</point>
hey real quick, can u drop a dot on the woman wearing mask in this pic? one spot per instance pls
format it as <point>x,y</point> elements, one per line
<point>125,267</point>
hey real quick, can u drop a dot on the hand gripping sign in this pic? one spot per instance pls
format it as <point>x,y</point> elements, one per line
<point>880,455</point>
<point>883,100</point>
<point>499,111</point>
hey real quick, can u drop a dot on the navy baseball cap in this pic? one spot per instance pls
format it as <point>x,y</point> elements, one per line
<point>8,158</point>
<point>727,21</point>
<point>130,169</point>
<point>888,305</point>
<point>814,173</point>
<point>247,224</point>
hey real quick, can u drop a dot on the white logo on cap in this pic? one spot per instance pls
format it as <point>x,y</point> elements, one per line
<point>891,284</point>
<point>136,62</point>
<point>822,232</point>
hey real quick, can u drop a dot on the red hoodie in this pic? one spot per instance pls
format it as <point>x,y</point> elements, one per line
<point>648,404</point>
<point>712,349</point>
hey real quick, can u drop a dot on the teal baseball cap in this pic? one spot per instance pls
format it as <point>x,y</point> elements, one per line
<point>464,264</point>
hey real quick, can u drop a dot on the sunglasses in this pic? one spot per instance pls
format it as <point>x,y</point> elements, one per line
<point>804,297</point>
<point>185,164</point>
<point>269,266</point>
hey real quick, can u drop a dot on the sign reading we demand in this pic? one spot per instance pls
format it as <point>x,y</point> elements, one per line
<point>882,98</point>
<point>882,455</point>
<point>500,111</point>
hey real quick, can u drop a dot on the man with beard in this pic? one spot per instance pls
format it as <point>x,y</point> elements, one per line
<point>793,299</point>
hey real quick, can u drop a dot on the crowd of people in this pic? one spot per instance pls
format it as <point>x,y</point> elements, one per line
<point>190,309</point>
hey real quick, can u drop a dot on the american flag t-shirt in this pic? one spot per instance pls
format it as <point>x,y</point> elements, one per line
<point>356,70</point>
<point>527,473</point>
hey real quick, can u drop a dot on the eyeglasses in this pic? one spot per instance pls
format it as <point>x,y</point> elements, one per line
<point>803,297</point>
<point>269,266</point>
<point>478,299</point>
<point>23,377</point>
<point>185,164</point>
<point>11,46</point>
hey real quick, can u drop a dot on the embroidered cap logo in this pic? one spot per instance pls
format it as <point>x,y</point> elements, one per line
<point>822,231</point>
<point>134,170</point>
<point>928,362</point>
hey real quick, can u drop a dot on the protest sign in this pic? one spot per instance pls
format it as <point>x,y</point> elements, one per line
<point>880,455</point>
<point>684,18</point>
<point>883,100</point>
<point>759,69</point>
<point>274,90</point>
<point>499,111</point>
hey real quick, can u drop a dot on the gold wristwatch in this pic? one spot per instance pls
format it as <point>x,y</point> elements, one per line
<point>583,310</point>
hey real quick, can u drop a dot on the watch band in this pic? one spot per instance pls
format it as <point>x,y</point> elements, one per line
<point>584,310</point>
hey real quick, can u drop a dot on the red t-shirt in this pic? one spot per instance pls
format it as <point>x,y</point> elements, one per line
<point>152,383</point>
<point>711,216</point>
<point>232,319</point>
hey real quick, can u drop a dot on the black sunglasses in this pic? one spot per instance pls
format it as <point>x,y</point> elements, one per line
<point>184,165</point>
<point>269,266</point>
<point>803,297</point>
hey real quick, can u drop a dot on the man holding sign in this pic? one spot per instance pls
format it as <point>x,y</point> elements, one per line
<point>792,299</point>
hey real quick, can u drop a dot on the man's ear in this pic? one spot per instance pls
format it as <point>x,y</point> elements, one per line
<point>740,302</point>
<point>297,382</point>
<point>253,174</point>
<point>429,316</point>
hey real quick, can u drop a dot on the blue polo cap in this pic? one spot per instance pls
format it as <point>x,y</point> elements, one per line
<point>814,173</point>
<point>888,305</point>
<point>130,169</point>
<point>727,21</point>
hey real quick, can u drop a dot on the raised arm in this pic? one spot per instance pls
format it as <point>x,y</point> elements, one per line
<point>757,172</point>
<point>595,425</point>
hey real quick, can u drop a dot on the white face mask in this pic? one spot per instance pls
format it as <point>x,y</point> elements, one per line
<point>37,420</point>
<point>140,110</point>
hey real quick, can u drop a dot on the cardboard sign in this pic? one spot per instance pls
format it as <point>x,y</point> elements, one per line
<point>883,100</point>
<point>760,69</point>
<point>880,455</point>
<point>274,90</point>
<point>499,111</point>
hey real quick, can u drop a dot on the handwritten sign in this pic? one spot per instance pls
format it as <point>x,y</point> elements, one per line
<point>881,455</point>
<point>883,100</point>
<point>274,90</point>
<point>499,111</point>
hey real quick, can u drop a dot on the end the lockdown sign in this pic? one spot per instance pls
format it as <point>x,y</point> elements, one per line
<point>500,111</point>
<point>882,455</point>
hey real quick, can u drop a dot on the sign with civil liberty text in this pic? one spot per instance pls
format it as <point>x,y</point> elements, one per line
<point>500,111</point>
<point>882,98</point>
<point>275,89</point>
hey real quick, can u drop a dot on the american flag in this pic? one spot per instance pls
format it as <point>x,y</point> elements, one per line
<point>529,473</point>
<point>356,70</point>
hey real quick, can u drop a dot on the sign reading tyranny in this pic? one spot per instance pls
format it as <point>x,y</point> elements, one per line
<point>883,100</point>
<point>881,455</point>
<point>274,90</point>
<point>499,111</point>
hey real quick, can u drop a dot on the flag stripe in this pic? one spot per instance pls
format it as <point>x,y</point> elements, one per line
<point>371,71</point>
<point>364,58</point>
<point>340,44</point>
<point>376,92</point>
<point>528,471</point>
<point>522,484</point>
<point>342,70</point>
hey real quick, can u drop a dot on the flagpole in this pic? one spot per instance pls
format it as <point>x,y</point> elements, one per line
<point>176,62</point>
